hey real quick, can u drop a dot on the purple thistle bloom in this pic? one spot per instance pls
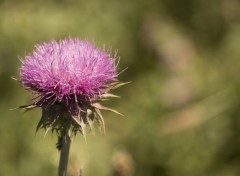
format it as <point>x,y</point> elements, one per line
<point>69,78</point>
<point>59,71</point>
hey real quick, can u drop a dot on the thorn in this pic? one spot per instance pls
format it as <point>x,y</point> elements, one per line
<point>101,119</point>
<point>106,95</point>
<point>13,108</point>
<point>99,106</point>
<point>46,131</point>
<point>12,77</point>
<point>90,119</point>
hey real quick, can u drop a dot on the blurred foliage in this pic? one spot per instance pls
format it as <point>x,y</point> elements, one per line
<point>182,108</point>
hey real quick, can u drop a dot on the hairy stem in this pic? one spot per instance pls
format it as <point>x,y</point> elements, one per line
<point>63,162</point>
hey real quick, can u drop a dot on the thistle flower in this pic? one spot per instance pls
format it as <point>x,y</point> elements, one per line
<point>68,80</point>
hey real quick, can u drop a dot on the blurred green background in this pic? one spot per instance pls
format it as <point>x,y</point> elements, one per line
<point>182,108</point>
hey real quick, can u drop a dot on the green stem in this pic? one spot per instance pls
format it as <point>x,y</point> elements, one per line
<point>63,161</point>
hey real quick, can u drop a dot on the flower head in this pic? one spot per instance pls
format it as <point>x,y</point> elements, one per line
<point>69,78</point>
<point>71,67</point>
